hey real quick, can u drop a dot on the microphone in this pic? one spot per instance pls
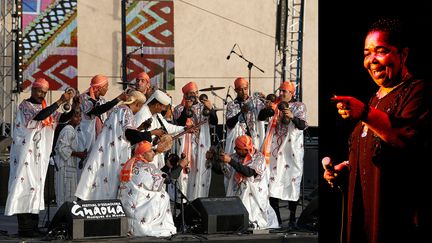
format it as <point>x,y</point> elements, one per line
<point>232,50</point>
<point>327,164</point>
<point>203,97</point>
<point>142,49</point>
<point>205,111</point>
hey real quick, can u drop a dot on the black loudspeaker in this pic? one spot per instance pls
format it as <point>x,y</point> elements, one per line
<point>309,217</point>
<point>209,215</point>
<point>89,219</point>
<point>4,180</point>
<point>311,162</point>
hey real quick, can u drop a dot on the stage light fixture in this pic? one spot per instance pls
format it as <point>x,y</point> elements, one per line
<point>19,52</point>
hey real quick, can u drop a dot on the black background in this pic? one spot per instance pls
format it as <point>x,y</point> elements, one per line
<point>342,29</point>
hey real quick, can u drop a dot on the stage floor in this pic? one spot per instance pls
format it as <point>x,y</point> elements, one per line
<point>290,237</point>
<point>8,231</point>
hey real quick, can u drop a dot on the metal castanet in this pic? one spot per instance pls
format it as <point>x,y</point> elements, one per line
<point>67,107</point>
<point>212,88</point>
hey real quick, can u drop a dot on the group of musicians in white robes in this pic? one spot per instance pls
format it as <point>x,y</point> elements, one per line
<point>116,149</point>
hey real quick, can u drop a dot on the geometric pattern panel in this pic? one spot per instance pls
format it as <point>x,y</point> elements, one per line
<point>150,41</point>
<point>50,43</point>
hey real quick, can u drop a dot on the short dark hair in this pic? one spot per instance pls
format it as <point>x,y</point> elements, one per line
<point>76,111</point>
<point>395,28</point>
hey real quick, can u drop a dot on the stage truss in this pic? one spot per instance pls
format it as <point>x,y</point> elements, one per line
<point>288,45</point>
<point>10,22</point>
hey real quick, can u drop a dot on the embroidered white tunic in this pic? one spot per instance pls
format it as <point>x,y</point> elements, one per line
<point>253,191</point>
<point>144,114</point>
<point>286,156</point>
<point>86,130</point>
<point>256,127</point>
<point>146,203</point>
<point>66,176</point>
<point>199,177</point>
<point>101,174</point>
<point>29,158</point>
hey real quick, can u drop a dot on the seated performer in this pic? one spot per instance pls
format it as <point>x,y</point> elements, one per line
<point>242,117</point>
<point>249,180</point>
<point>196,183</point>
<point>142,193</point>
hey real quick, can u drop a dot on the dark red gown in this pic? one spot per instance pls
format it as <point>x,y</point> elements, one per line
<point>388,185</point>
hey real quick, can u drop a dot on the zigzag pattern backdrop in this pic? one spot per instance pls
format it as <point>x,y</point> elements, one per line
<point>150,41</point>
<point>50,43</point>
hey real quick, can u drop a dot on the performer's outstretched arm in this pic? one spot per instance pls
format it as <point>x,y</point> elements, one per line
<point>244,170</point>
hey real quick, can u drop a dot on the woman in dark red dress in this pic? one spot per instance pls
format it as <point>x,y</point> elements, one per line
<point>388,146</point>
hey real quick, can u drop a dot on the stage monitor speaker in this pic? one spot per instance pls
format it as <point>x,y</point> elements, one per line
<point>311,163</point>
<point>308,219</point>
<point>90,219</point>
<point>209,215</point>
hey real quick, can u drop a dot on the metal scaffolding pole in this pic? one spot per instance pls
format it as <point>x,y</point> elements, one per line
<point>288,45</point>
<point>10,25</point>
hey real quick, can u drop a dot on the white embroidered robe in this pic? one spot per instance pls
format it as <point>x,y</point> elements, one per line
<point>144,114</point>
<point>253,191</point>
<point>86,130</point>
<point>146,203</point>
<point>101,174</point>
<point>195,147</point>
<point>286,156</point>
<point>256,127</point>
<point>29,159</point>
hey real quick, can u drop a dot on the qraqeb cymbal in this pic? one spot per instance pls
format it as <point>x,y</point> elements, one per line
<point>128,83</point>
<point>212,88</point>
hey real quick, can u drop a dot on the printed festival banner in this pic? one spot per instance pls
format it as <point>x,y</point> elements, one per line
<point>50,43</point>
<point>150,41</point>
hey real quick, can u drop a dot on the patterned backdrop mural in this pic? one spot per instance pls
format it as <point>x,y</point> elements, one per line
<point>50,42</point>
<point>150,41</point>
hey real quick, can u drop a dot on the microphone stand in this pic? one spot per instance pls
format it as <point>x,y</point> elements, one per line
<point>135,50</point>
<point>183,225</point>
<point>182,209</point>
<point>250,65</point>
<point>224,101</point>
<point>126,62</point>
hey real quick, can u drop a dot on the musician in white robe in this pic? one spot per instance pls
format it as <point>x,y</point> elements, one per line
<point>29,156</point>
<point>195,145</point>
<point>100,177</point>
<point>94,111</point>
<point>66,159</point>
<point>150,113</point>
<point>242,116</point>
<point>249,181</point>
<point>283,148</point>
<point>143,196</point>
